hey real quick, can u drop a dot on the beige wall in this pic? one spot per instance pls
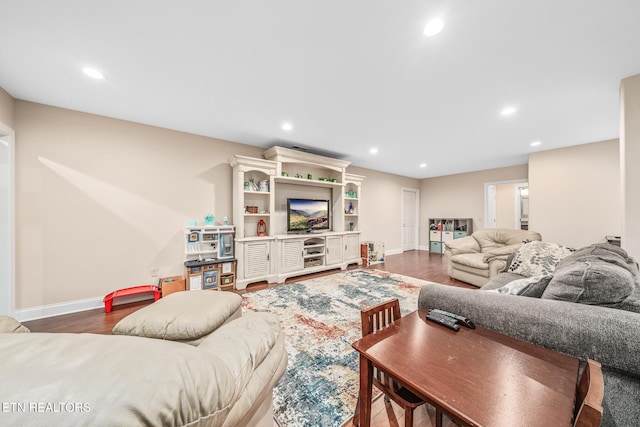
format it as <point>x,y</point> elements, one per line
<point>100,201</point>
<point>506,206</point>
<point>6,108</point>
<point>574,193</point>
<point>381,214</point>
<point>629,161</point>
<point>460,196</point>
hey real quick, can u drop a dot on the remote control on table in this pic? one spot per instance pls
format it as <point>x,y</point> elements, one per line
<point>466,322</point>
<point>444,320</point>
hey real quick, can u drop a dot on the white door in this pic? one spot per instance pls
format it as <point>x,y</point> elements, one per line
<point>334,250</point>
<point>291,255</point>
<point>256,259</point>
<point>490,219</point>
<point>6,221</point>
<point>351,247</point>
<point>409,219</point>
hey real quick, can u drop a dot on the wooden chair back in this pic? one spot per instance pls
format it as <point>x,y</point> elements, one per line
<point>379,316</point>
<point>589,395</point>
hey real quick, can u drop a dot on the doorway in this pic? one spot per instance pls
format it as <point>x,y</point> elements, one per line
<point>7,233</point>
<point>410,214</point>
<point>506,204</point>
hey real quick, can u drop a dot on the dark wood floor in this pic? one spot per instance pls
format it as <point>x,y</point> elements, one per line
<point>418,264</point>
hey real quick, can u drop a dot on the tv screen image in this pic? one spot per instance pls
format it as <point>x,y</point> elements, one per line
<point>307,215</point>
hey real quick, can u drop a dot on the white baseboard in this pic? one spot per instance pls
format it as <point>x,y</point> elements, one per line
<point>49,310</point>
<point>423,248</point>
<point>392,252</point>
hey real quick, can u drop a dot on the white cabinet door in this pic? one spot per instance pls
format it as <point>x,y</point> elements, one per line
<point>351,247</point>
<point>291,255</point>
<point>333,247</point>
<point>257,258</point>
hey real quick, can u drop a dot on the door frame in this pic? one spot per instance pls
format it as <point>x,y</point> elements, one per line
<point>7,137</point>
<point>486,194</point>
<point>416,224</point>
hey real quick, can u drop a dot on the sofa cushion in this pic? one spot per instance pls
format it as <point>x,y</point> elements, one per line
<point>527,286</point>
<point>474,260</point>
<point>182,316</point>
<point>538,258</point>
<point>600,274</point>
<point>9,325</point>
<point>497,237</point>
<point>120,381</point>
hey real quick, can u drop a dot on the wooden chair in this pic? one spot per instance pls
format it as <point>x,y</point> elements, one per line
<point>589,395</point>
<point>374,318</point>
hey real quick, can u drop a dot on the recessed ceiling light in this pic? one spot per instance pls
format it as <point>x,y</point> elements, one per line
<point>373,151</point>
<point>433,27</point>
<point>535,143</point>
<point>92,72</point>
<point>423,165</point>
<point>287,126</point>
<point>507,111</point>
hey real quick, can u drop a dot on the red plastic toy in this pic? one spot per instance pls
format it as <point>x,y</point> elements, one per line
<point>108,299</point>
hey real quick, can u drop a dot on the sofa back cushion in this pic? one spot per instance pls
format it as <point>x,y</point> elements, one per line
<point>497,237</point>
<point>599,274</point>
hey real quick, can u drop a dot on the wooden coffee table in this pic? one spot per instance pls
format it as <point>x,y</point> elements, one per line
<point>477,377</point>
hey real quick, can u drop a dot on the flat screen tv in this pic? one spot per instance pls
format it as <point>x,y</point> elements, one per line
<point>306,215</point>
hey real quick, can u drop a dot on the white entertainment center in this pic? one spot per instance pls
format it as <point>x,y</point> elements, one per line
<point>265,250</point>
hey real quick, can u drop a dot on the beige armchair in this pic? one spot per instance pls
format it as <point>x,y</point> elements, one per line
<point>477,258</point>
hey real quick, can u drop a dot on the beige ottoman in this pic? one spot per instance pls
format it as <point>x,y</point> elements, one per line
<point>187,317</point>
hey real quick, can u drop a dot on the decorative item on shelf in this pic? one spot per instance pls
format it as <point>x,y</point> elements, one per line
<point>439,226</point>
<point>252,185</point>
<point>433,227</point>
<point>351,226</point>
<point>299,176</point>
<point>225,221</point>
<point>461,228</point>
<point>284,173</point>
<point>193,223</point>
<point>251,209</point>
<point>209,219</point>
<point>323,179</point>
<point>331,179</point>
<point>263,185</point>
<point>309,176</point>
<point>246,186</point>
<point>261,229</point>
<point>351,195</point>
<point>350,208</point>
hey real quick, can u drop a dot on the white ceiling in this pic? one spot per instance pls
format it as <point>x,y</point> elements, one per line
<point>349,75</point>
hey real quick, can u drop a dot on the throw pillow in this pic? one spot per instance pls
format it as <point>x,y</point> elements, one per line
<point>528,287</point>
<point>538,258</point>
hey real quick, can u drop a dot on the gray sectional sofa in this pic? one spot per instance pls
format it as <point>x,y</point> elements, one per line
<point>589,307</point>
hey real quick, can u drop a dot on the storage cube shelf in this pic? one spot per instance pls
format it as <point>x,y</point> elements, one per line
<point>446,229</point>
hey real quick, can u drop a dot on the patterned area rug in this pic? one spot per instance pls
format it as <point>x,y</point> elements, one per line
<point>321,318</point>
